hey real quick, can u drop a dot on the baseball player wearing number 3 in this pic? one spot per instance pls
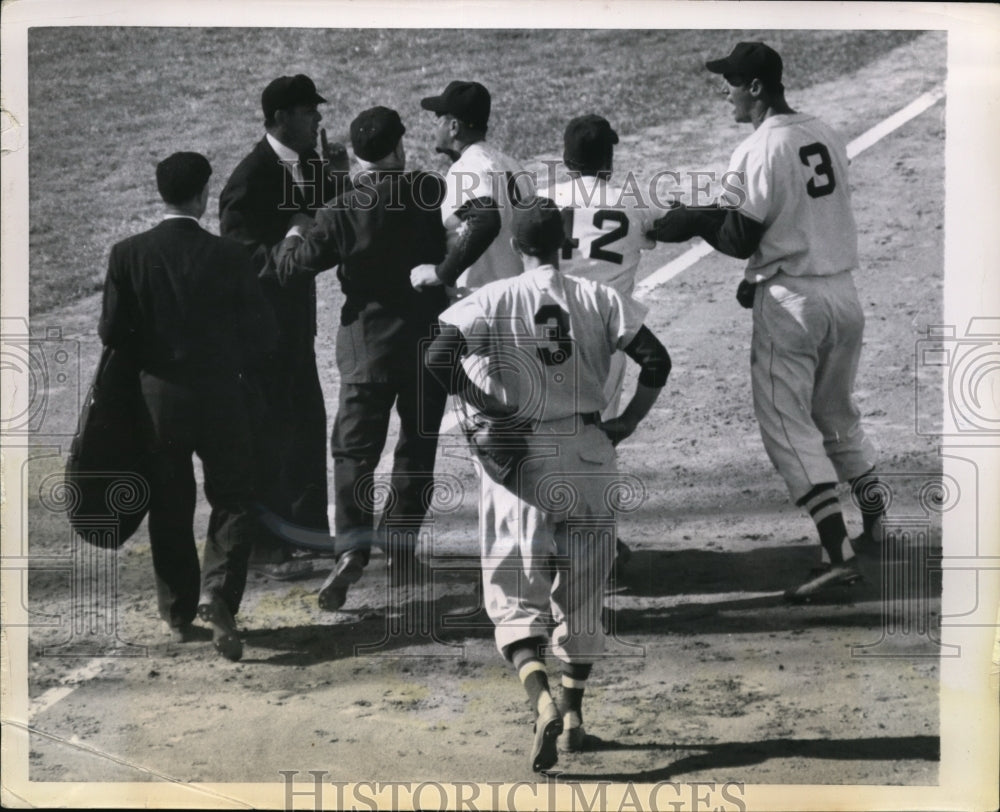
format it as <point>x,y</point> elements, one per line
<point>795,225</point>
<point>547,340</point>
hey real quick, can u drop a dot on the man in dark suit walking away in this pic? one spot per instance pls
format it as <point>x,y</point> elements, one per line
<point>283,175</point>
<point>187,306</point>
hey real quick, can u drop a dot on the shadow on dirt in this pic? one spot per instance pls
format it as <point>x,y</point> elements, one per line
<point>449,610</point>
<point>741,754</point>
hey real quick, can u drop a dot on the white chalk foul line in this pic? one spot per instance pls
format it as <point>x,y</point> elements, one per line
<point>69,683</point>
<point>856,147</point>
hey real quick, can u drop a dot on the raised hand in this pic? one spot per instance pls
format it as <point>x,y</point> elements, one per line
<point>335,154</point>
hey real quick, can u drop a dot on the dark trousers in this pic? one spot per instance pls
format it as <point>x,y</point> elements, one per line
<point>290,459</point>
<point>207,416</point>
<point>359,435</point>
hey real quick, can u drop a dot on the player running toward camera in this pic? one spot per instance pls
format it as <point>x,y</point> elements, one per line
<point>547,340</point>
<point>795,225</point>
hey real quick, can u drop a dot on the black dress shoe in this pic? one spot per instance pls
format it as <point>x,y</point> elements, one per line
<point>225,637</point>
<point>333,593</point>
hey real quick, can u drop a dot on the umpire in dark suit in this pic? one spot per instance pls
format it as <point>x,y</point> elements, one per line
<point>187,306</point>
<point>281,177</point>
<point>388,223</point>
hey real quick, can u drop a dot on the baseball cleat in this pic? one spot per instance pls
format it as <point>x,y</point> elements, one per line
<point>333,593</point>
<point>225,637</point>
<point>548,727</point>
<point>824,578</point>
<point>571,740</point>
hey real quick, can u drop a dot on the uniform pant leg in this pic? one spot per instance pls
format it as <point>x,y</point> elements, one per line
<point>224,445</point>
<point>359,434</point>
<point>517,580</point>
<point>585,546</point>
<point>271,428</point>
<point>420,404</point>
<point>304,463</point>
<point>834,410</point>
<point>787,330</point>
<point>170,426</point>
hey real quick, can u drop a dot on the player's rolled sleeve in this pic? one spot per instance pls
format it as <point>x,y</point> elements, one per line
<point>652,358</point>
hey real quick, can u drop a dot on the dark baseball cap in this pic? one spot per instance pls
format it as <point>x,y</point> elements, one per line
<point>288,91</point>
<point>469,102</point>
<point>375,133</point>
<point>538,227</point>
<point>181,176</point>
<point>750,60</point>
<point>587,142</point>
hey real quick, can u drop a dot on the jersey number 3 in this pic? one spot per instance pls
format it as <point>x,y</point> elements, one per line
<point>555,346</point>
<point>597,250</point>
<point>823,170</point>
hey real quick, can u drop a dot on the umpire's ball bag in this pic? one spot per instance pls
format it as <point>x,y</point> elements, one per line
<point>107,488</point>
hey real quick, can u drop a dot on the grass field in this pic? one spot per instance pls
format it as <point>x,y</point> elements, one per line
<point>105,104</point>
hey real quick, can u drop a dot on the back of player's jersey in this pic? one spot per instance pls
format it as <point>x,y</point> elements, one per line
<point>544,341</point>
<point>797,185</point>
<point>606,229</point>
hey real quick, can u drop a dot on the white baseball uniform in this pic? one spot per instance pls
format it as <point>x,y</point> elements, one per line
<point>606,230</point>
<point>547,341</point>
<point>808,322</point>
<point>483,171</point>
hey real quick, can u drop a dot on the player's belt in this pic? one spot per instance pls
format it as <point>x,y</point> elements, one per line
<point>590,418</point>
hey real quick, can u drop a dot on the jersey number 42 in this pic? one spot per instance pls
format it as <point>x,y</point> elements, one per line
<point>597,246</point>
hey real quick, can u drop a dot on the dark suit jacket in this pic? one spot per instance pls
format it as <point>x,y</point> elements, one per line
<point>389,223</point>
<point>184,301</point>
<point>255,208</point>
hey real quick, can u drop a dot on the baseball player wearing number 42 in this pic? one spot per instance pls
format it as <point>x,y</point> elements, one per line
<point>796,228</point>
<point>548,339</point>
<point>606,230</point>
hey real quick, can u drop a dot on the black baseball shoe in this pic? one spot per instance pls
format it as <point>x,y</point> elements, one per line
<point>333,593</point>
<point>825,578</point>
<point>548,727</point>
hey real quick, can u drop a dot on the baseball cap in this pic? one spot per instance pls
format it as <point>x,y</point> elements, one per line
<point>751,60</point>
<point>288,91</point>
<point>538,227</point>
<point>181,176</point>
<point>587,141</point>
<point>375,133</point>
<point>469,102</point>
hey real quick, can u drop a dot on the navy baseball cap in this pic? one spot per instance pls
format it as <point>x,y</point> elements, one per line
<point>469,102</point>
<point>750,60</point>
<point>587,142</point>
<point>375,133</point>
<point>538,227</point>
<point>288,91</point>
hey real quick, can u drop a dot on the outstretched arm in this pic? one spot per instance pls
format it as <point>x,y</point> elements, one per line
<point>726,230</point>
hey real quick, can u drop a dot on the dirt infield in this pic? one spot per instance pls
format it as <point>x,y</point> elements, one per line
<point>710,676</point>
